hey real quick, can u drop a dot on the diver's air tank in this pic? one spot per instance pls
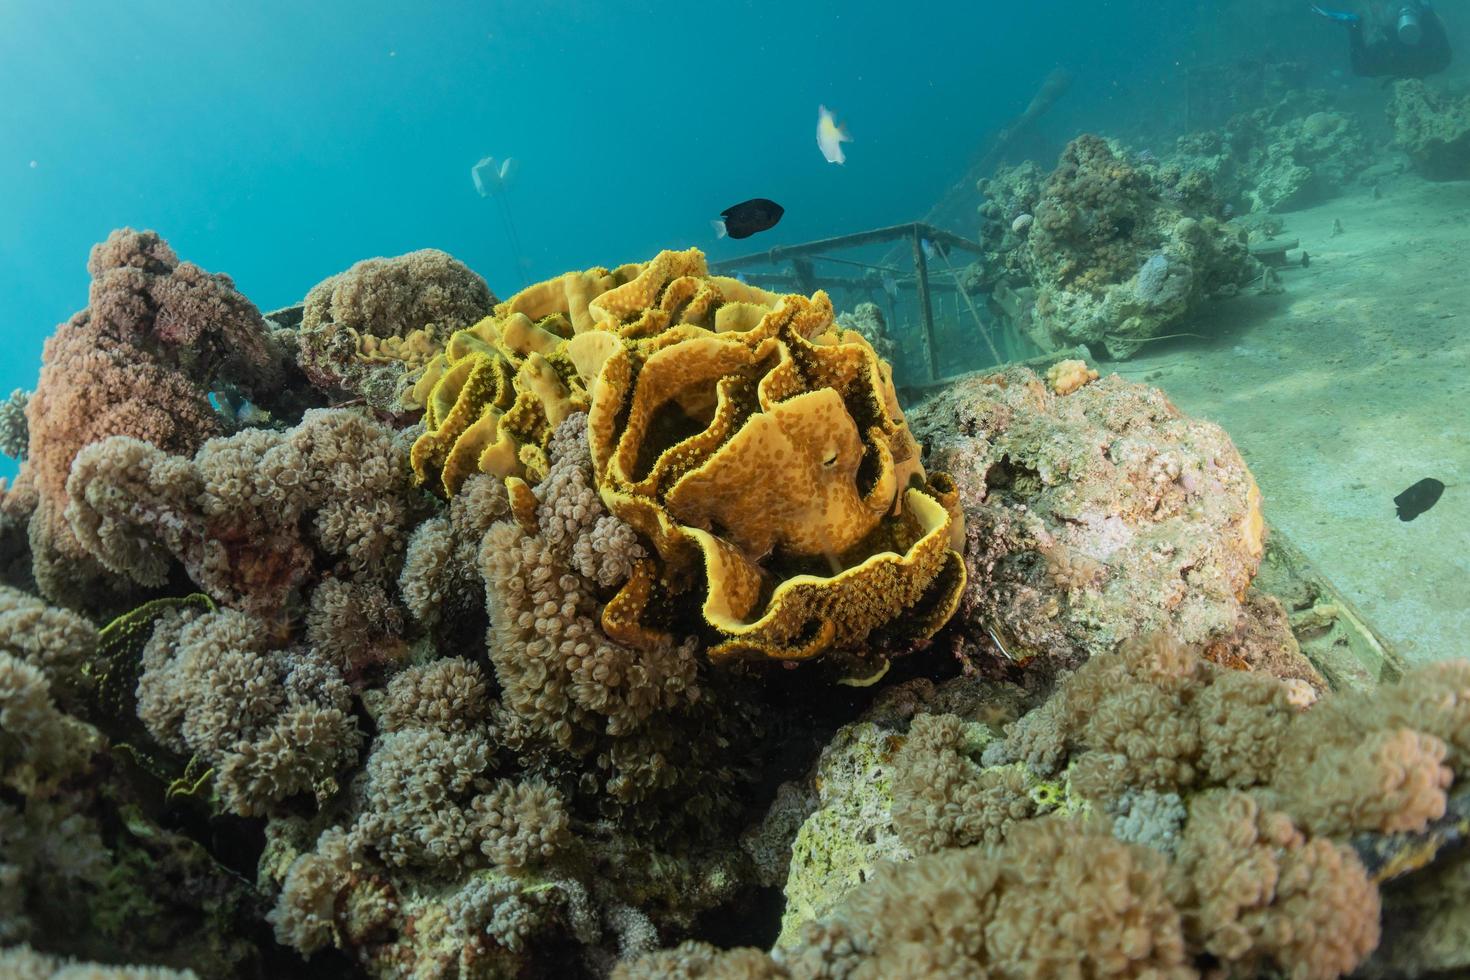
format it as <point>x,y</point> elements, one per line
<point>1409,29</point>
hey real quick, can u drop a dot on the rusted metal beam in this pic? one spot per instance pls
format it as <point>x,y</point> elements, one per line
<point>926,308</point>
<point>784,280</point>
<point>875,236</point>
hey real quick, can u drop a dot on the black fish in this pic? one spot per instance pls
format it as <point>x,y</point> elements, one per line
<point>1418,498</point>
<point>748,217</point>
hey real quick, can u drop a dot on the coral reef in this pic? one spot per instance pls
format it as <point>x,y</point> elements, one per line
<point>1433,128</point>
<point>1095,516</point>
<point>366,332</point>
<point>15,435</point>
<point>1115,253</point>
<point>543,684</point>
<point>1290,154</point>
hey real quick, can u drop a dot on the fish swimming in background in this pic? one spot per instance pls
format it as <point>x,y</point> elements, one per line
<point>933,250</point>
<point>748,217</point>
<point>831,136</point>
<point>1418,498</point>
<point>490,178</point>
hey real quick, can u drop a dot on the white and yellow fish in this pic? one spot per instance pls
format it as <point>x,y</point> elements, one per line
<point>831,136</point>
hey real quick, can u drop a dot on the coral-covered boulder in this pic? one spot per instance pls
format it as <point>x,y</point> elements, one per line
<point>1433,128</point>
<point>1292,153</point>
<point>1094,516</point>
<point>1115,260</point>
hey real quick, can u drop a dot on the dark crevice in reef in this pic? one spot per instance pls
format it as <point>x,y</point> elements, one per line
<point>753,919</point>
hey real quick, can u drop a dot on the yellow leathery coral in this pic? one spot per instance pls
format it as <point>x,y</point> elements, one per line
<point>811,614</point>
<point>759,447</point>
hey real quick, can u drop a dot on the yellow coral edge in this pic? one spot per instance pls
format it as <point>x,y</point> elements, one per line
<point>934,522</point>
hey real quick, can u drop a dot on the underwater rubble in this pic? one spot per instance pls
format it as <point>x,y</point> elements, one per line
<point>630,626</point>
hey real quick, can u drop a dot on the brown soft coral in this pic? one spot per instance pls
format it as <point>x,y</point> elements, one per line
<point>58,642</point>
<point>1058,899</point>
<point>567,686</point>
<point>1380,761</point>
<point>272,723</point>
<point>942,799</point>
<point>1256,891</point>
<point>363,329</point>
<point>254,518</point>
<point>1159,717</point>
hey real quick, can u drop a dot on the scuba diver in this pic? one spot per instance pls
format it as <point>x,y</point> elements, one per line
<point>1396,40</point>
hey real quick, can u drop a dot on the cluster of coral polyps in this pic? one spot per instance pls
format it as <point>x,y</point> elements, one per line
<point>1154,816</point>
<point>757,445</point>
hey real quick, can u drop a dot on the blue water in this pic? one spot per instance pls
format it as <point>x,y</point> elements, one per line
<point>280,142</point>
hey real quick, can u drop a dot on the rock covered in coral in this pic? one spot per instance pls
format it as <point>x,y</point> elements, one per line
<point>140,362</point>
<point>867,319</point>
<point>366,330</point>
<point>1287,155</point>
<point>1007,215</point>
<point>1432,127</point>
<point>1116,258</point>
<point>1094,516</point>
<point>849,832</point>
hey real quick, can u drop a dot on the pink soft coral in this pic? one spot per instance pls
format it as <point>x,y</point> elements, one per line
<point>139,362</point>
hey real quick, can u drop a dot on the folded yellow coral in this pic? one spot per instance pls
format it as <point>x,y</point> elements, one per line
<point>759,448</point>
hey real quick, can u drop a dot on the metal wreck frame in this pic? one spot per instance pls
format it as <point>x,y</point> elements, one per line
<point>803,276</point>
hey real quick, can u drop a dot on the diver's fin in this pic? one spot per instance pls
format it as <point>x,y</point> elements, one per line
<point>1341,16</point>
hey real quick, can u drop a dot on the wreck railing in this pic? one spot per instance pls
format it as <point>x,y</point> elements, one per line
<point>804,277</point>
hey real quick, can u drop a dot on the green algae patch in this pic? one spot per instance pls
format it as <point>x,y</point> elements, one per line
<point>842,842</point>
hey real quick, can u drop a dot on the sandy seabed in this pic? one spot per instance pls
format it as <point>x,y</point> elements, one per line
<point>1348,387</point>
